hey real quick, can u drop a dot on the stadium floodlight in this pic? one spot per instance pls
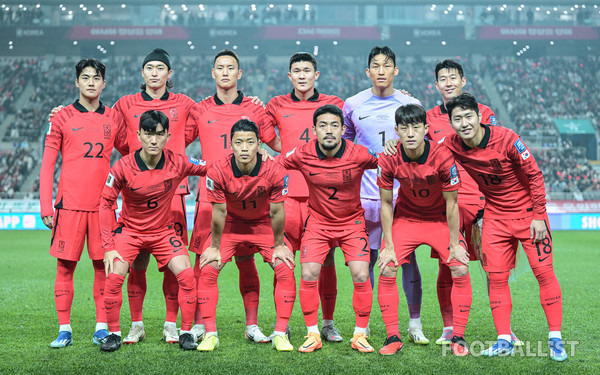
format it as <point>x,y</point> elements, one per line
<point>460,12</point>
<point>189,42</point>
<point>166,6</point>
<point>256,46</point>
<point>537,9</point>
<point>20,6</point>
<point>514,42</point>
<point>226,42</point>
<point>335,42</point>
<point>10,42</point>
<point>443,42</point>
<point>446,12</point>
<point>102,9</point>
<point>10,47</point>
<point>316,51</point>
<point>37,6</point>
<point>234,47</point>
<point>192,47</point>
<point>70,12</point>
<point>123,5</point>
<point>408,42</point>
<point>81,5</point>
<point>551,42</point>
<point>214,47</point>
<point>271,6</point>
<point>89,12</point>
<point>74,42</point>
<point>298,43</point>
<point>112,42</point>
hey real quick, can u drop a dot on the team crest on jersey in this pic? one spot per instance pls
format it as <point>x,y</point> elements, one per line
<point>107,131</point>
<point>210,184</point>
<point>290,152</point>
<point>347,175</point>
<point>453,175</point>
<point>373,153</point>
<point>61,247</point>
<point>382,118</point>
<point>197,161</point>
<point>493,120</point>
<point>110,180</point>
<point>495,163</point>
<point>168,184</point>
<point>174,115</point>
<point>262,191</point>
<point>522,149</point>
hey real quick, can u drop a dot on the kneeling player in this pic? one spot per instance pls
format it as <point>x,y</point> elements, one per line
<point>426,212</point>
<point>247,196</point>
<point>147,180</point>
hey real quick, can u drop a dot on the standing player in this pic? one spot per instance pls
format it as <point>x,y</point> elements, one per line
<point>215,117</point>
<point>515,210</point>
<point>426,205</point>
<point>332,168</point>
<point>369,117</point>
<point>84,134</point>
<point>147,180</point>
<point>292,113</point>
<point>450,81</point>
<point>247,195</point>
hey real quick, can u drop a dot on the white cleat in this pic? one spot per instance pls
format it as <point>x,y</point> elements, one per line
<point>170,335</point>
<point>417,336</point>
<point>135,335</point>
<point>198,331</point>
<point>253,333</point>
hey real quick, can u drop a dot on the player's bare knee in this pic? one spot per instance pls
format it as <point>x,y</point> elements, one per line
<point>141,261</point>
<point>179,263</point>
<point>310,271</point>
<point>459,271</point>
<point>389,272</point>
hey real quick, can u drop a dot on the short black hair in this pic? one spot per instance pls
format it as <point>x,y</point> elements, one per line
<point>228,52</point>
<point>464,101</point>
<point>93,63</point>
<point>410,114</point>
<point>328,108</point>
<point>303,56</point>
<point>244,125</point>
<point>150,120</point>
<point>449,65</point>
<point>385,50</point>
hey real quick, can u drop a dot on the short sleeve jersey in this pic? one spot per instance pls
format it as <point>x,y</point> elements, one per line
<point>370,120</point>
<point>333,182</point>
<point>147,193</point>
<point>215,119</point>
<point>176,107</point>
<point>440,128</point>
<point>248,197</point>
<point>505,171</point>
<point>422,182</point>
<point>85,141</point>
<point>294,119</point>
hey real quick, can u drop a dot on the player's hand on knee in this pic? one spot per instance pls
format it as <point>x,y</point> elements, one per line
<point>391,147</point>
<point>283,253</point>
<point>386,256</point>
<point>538,230</point>
<point>109,259</point>
<point>211,254</point>
<point>459,253</point>
<point>48,221</point>
<point>54,111</point>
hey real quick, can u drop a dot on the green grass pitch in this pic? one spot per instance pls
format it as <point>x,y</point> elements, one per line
<point>28,321</point>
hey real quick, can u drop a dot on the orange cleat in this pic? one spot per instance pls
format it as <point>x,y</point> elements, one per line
<point>360,343</point>
<point>392,345</point>
<point>312,343</point>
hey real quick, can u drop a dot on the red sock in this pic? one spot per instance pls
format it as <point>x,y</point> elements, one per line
<point>444,290</point>
<point>171,291</point>
<point>187,297</point>
<point>198,315</point>
<point>249,285</point>
<point>136,292</point>
<point>63,289</point>
<point>550,296</point>
<point>99,281</point>
<point>113,299</point>
<point>285,294</point>
<point>208,296</point>
<point>388,298</point>
<point>462,296</point>
<point>309,301</point>
<point>362,300</point>
<point>500,301</point>
<point>328,291</point>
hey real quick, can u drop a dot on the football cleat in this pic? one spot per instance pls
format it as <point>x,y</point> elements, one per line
<point>64,339</point>
<point>198,332</point>
<point>186,341</point>
<point>135,335</point>
<point>112,343</point>
<point>330,333</point>
<point>312,343</point>
<point>170,335</point>
<point>557,350</point>
<point>445,338</point>
<point>209,343</point>
<point>501,348</point>
<point>253,333</point>
<point>417,336</point>
<point>459,346</point>
<point>392,345</point>
<point>360,343</point>
<point>99,336</point>
<point>281,343</point>
<point>515,339</point>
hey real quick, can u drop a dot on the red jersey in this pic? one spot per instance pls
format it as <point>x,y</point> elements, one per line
<point>422,182</point>
<point>248,197</point>
<point>146,193</point>
<point>333,182</point>
<point>176,107</point>
<point>440,128</point>
<point>294,119</point>
<point>505,171</point>
<point>214,121</point>
<point>85,141</point>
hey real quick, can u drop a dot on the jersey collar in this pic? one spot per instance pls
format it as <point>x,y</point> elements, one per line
<point>143,167</point>
<point>484,140</point>
<point>238,173</point>
<point>237,100</point>
<point>313,98</point>
<point>147,97</point>
<point>337,155</point>
<point>443,109</point>
<point>422,159</point>
<point>82,109</point>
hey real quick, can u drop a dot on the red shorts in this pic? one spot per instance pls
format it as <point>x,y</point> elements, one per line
<point>352,238</point>
<point>69,233</point>
<point>164,245</point>
<point>179,217</point>
<point>467,212</point>
<point>408,235</point>
<point>296,213</point>
<point>201,231</point>
<point>500,240</point>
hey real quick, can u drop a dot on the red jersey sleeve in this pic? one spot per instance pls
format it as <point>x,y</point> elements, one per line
<point>385,172</point>
<point>192,125</point>
<point>266,124</point>
<point>290,160</point>
<point>214,185</point>
<point>47,180</point>
<point>193,167</point>
<point>448,173</point>
<point>110,193</point>
<point>368,159</point>
<point>121,143</point>
<point>279,182</point>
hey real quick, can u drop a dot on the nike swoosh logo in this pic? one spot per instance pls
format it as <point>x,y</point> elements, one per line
<point>543,259</point>
<point>362,255</point>
<point>211,121</point>
<point>60,295</point>
<point>75,129</point>
<point>464,310</point>
<point>308,346</point>
<point>436,131</point>
<point>313,174</point>
<point>495,307</point>
<point>136,116</point>
<point>363,345</point>
<point>134,189</point>
<point>291,114</point>
<point>202,303</point>
<point>548,304</point>
<point>286,301</point>
<point>363,117</point>
<point>176,250</point>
